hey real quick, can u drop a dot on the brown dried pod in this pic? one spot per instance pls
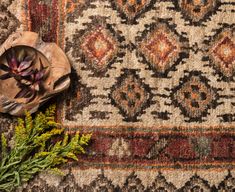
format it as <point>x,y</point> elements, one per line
<point>31,72</point>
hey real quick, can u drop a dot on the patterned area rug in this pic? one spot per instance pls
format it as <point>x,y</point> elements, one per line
<point>152,80</point>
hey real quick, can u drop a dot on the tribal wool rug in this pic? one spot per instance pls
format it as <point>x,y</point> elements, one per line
<point>152,80</point>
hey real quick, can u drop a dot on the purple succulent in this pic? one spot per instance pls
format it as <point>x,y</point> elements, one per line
<point>20,67</point>
<point>33,84</point>
<point>17,67</point>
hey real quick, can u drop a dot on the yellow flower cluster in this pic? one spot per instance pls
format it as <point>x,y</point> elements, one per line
<point>37,147</point>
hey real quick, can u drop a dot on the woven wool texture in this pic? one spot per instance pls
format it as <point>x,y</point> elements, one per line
<point>152,80</point>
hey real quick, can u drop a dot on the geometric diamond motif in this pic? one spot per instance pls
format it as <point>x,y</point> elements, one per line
<point>130,10</point>
<point>226,51</point>
<point>130,95</point>
<point>162,48</point>
<point>99,47</point>
<point>197,11</point>
<point>194,96</point>
<point>222,53</point>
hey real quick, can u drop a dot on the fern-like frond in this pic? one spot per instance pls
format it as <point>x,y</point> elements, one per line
<point>37,148</point>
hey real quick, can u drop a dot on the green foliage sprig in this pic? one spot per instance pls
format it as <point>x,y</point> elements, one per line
<point>35,150</point>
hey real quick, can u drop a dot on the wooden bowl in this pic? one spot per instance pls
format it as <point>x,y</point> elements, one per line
<point>51,56</point>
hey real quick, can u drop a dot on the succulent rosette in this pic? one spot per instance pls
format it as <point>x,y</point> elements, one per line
<point>32,83</point>
<point>17,67</point>
<point>22,66</point>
